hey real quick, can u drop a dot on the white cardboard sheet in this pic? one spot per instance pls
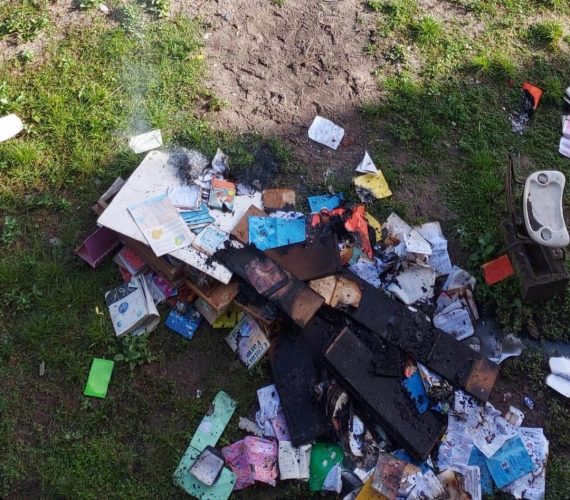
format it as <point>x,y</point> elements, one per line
<point>152,178</point>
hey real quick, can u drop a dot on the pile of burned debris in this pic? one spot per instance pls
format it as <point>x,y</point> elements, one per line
<point>374,393</point>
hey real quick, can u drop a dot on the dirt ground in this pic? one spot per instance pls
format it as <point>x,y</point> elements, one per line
<point>278,67</point>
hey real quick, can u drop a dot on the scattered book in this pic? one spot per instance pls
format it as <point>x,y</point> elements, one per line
<point>132,308</point>
<point>222,194</point>
<point>185,322</point>
<point>129,260</point>
<point>248,340</point>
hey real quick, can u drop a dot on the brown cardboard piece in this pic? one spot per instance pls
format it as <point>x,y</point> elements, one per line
<point>279,199</point>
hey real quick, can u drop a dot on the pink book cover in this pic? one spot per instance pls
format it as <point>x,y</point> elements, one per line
<point>262,456</point>
<point>236,458</point>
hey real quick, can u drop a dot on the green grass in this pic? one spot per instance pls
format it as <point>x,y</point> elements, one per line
<point>23,19</point>
<point>547,34</point>
<point>79,106</point>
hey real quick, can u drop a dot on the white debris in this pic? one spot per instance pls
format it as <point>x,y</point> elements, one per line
<point>146,142</point>
<point>326,132</point>
<point>10,126</point>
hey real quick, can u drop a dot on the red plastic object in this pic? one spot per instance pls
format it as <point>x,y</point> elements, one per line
<point>497,270</point>
<point>535,93</point>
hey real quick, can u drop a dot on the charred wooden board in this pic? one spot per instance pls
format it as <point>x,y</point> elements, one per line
<point>415,336</point>
<point>293,296</point>
<point>295,375</point>
<point>312,259</point>
<point>384,398</point>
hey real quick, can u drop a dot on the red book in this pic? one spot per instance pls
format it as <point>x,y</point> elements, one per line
<point>497,270</point>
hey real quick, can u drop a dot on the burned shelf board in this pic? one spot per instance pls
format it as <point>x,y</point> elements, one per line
<point>293,296</point>
<point>383,398</point>
<point>415,336</point>
<point>309,260</point>
<point>295,375</point>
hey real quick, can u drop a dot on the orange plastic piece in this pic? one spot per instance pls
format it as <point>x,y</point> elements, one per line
<point>358,224</point>
<point>497,270</point>
<point>534,91</point>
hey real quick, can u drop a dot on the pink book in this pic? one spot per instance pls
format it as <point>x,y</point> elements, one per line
<point>262,457</point>
<point>97,246</point>
<point>236,458</point>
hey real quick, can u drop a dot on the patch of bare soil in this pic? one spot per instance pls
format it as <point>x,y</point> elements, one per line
<point>278,67</point>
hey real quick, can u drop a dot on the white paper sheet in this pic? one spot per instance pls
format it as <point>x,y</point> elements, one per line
<point>458,278</point>
<point>326,132</point>
<point>439,258</point>
<point>415,283</point>
<point>145,142</point>
<point>294,461</point>
<point>455,321</point>
<point>366,165</point>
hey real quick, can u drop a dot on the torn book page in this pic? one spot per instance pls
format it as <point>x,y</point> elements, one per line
<point>564,147</point>
<point>439,258</point>
<point>185,197</point>
<point>161,225</point>
<point>326,132</point>
<point>236,458</point>
<point>366,165</point>
<point>367,271</point>
<point>372,186</point>
<point>262,457</point>
<point>413,284</point>
<point>485,425</point>
<point>532,485</point>
<point>145,142</point>
<point>456,446</point>
<point>325,202</point>
<point>455,321</point>
<point>458,278</point>
<point>395,225</point>
<point>294,461</point>
<point>416,243</point>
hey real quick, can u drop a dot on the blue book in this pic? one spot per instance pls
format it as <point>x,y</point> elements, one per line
<point>510,462</point>
<point>272,232</point>
<point>325,201</point>
<point>185,323</point>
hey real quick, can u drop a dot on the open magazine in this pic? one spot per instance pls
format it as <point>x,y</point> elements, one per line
<point>132,308</point>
